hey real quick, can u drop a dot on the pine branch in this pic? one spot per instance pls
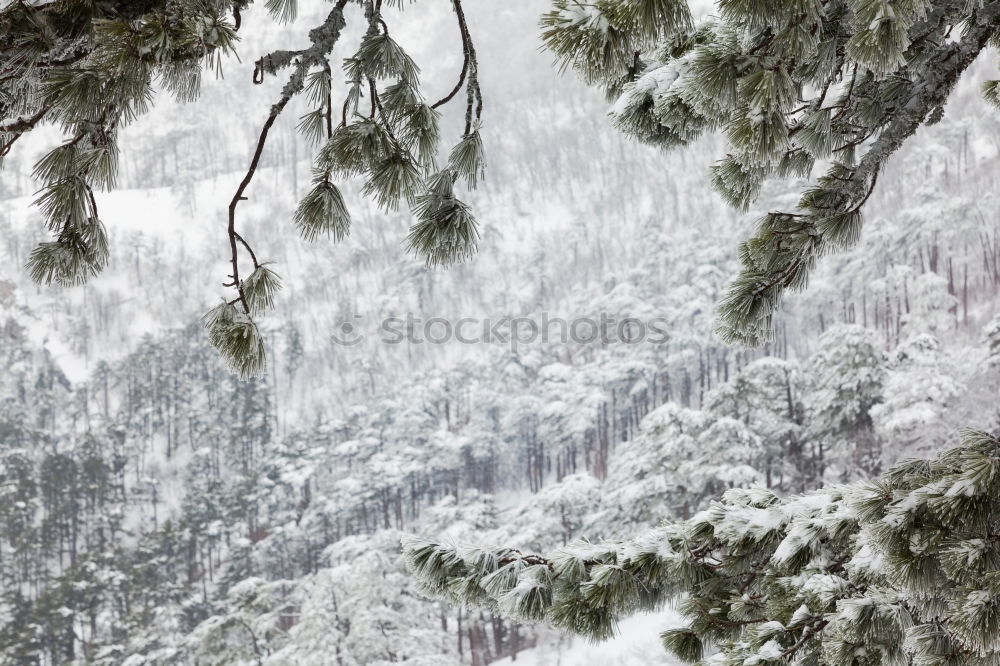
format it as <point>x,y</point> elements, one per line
<point>812,578</point>
<point>323,39</point>
<point>466,55</point>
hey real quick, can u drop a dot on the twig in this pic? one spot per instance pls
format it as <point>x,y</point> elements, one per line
<point>310,57</point>
<point>249,249</point>
<point>466,49</point>
<point>22,125</point>
<point>233,236</point>
<point>329,102</point>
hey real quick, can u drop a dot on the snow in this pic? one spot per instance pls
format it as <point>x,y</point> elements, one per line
<point>637,644</point>
<point>801,614</point>
<point>654,84</point>
<point>769,651</point>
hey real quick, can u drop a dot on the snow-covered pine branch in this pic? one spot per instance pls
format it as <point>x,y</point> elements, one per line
<point>793,85</point>
<point>92,68</point>
<point>901,569</point>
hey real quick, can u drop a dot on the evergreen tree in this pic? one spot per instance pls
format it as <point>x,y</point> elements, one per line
<point>681,459</point>
<point>900,569</point>
<point>932,307</point>
<point>848,371</point>
<point>919,387</point>
<point>766,396</point>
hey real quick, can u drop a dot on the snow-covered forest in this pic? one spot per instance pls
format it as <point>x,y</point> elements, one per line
<point>157,509</point>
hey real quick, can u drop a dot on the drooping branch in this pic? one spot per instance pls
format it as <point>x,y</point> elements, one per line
<point>832,209</point>
<point>323,39</point>
<point>762,579</point>
<point>99,64</point>
<point>233,235</point>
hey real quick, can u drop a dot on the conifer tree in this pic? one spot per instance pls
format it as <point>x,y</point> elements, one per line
<point>898,570</point>
<point>919,387</point>
<point>849,371</point>
<point>767,397</point>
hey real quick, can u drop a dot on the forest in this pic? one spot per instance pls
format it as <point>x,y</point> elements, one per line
<point>801,473</point>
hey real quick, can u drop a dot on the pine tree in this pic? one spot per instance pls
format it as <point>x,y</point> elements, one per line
<point>767,397</point>
<point>681,459</point>
<point>900,569</point>
<point>849,372</point>
<point>919,387</point>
